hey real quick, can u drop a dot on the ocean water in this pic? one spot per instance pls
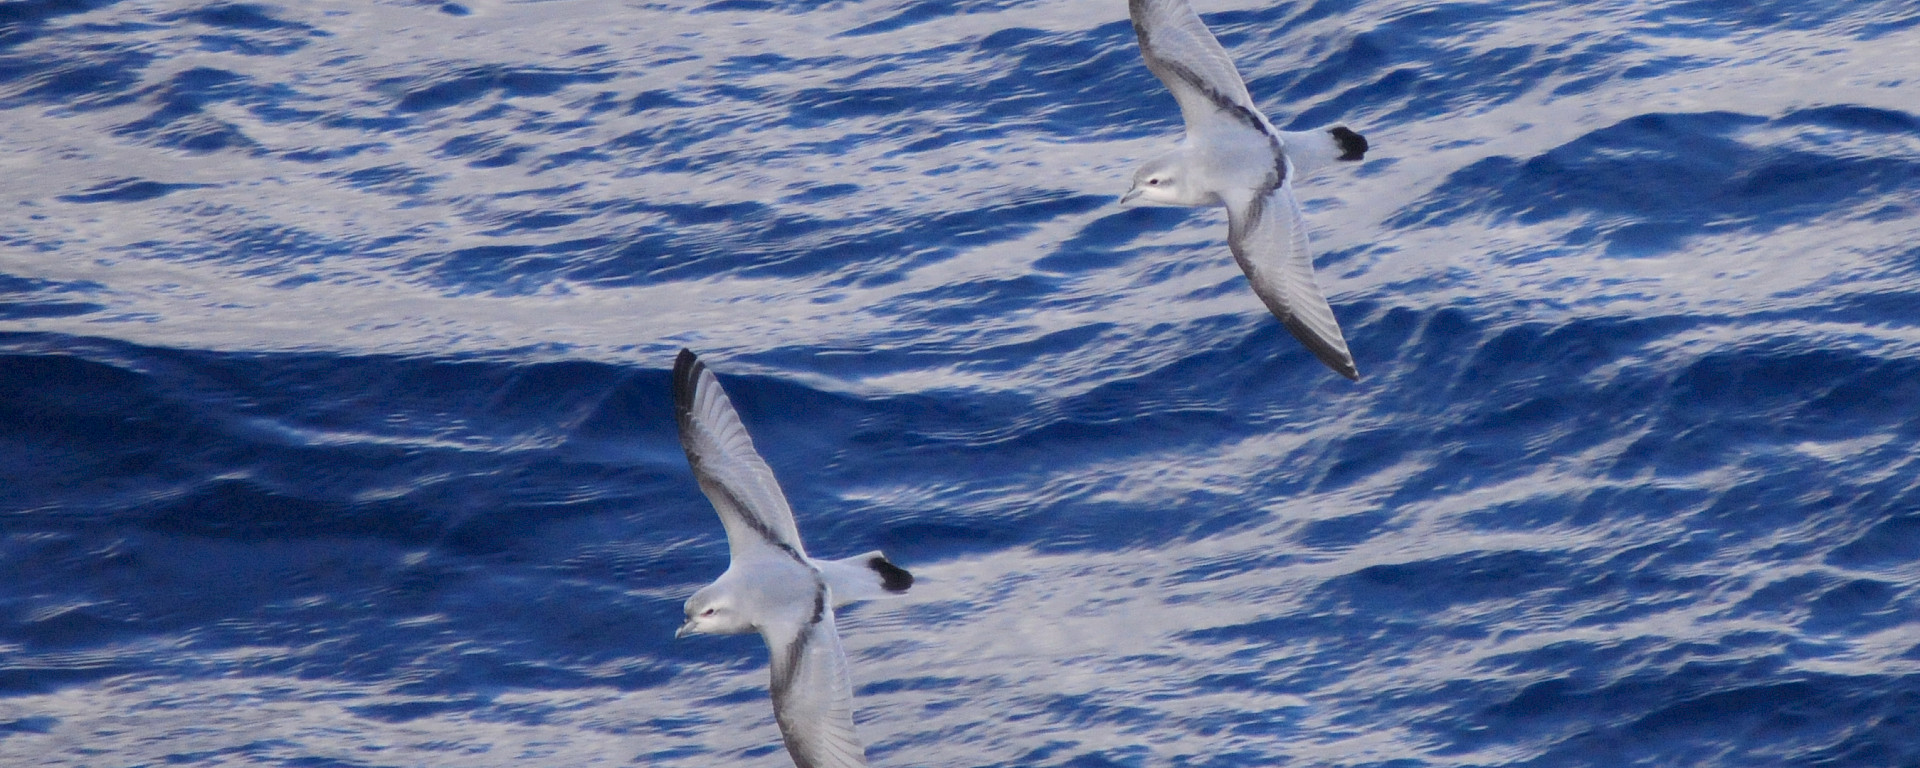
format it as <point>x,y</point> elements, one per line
<point>335,424</point>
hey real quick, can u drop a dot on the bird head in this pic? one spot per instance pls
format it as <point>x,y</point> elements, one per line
<point>1158,181</point>
<point>712,612</point>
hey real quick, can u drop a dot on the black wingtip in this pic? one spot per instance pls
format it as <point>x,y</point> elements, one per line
<point>893,578</point>
<point>686,373</point>
<point>1353,146</point>
<point>1336,358</point>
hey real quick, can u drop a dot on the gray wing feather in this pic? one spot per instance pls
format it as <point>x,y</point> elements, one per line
<point>1184,54</point>
<point>731,473</point>
<point>813,697</point>
<point>1269,240</point>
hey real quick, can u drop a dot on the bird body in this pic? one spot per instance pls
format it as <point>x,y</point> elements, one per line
<point>771,586</point>
<point>1232,156</point>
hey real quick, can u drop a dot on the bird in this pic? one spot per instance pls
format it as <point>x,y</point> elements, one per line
<point>771,585</point>
<point>1232,156</point>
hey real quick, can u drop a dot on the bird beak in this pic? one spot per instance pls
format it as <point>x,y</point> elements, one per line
<point>1130,195</point>
<point>685,629</point>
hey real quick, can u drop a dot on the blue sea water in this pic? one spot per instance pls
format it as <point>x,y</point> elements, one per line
<point>334,420</point>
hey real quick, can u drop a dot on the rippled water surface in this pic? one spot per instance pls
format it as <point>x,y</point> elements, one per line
<point>334,422</point>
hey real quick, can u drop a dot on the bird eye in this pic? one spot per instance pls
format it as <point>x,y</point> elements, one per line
<point>1153,182</point>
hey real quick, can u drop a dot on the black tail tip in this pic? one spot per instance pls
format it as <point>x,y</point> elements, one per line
<point>1353,146</point>
<point>893,578</point>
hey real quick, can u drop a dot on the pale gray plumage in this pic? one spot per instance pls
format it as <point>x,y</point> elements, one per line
<point>1233,157</point>
<point>771,586</point>
<point>813,697</point>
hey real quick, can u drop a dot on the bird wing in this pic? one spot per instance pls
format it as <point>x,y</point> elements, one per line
<point>734,477</point>
<point>1183,53</point>
<point>812,695</point>
<point>1269,240</point>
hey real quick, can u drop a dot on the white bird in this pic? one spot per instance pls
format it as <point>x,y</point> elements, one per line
<point>771,586</point>
<point>1232,156</point>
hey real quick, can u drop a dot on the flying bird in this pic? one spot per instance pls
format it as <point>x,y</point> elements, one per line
<point>771,586</point>
<point>1233,157</point>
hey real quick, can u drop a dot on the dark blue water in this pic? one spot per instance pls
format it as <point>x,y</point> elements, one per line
<point>334,423</point>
